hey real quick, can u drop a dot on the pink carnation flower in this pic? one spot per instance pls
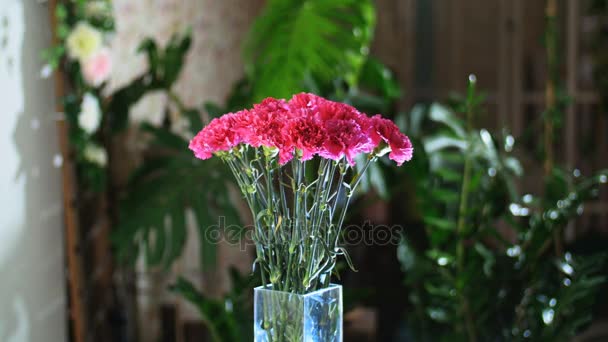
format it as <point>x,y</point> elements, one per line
<point>219,135</point>
<point>306,101</point>
<point>96,68</point>
<point>305,134</point>
<point>267,122</point>
<point>346,128</point>
<point>385,130</point>
<point>345,138</point>
<point>308,123</point>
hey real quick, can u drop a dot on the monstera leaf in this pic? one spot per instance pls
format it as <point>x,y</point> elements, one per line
<point>296,39</point>
<point>169,185</point>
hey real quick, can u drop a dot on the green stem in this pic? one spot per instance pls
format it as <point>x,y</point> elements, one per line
<point>462,211</point>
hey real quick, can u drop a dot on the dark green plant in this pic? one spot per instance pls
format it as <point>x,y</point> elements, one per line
<point>485,269</point>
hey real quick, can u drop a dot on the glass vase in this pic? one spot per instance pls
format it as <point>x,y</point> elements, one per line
<point>287,317</point>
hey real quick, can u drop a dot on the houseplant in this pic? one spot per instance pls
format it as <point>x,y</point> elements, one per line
<point>294,164</point>
<point>491,270</point>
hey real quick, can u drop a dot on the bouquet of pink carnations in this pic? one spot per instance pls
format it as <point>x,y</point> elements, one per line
<point>294,163</point>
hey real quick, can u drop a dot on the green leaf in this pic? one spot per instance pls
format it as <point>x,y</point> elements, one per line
<point>173,58</point>
<point>290,39</point>
<point>178,234</point>
<point>165,137</point>
<point>488,257</point>
<point>164,187</point>
<point>440,142</point>
<point>60,12</point>
<point>213,110</point>
<point>194,118</point>
<point>377,180</point>
<point>444,115</point>
<point>406,255</point>
<point>449,175</point>
<point>206,230</point>
<point>377,77</point>
<point>444,195</point>
<point>440,223</point>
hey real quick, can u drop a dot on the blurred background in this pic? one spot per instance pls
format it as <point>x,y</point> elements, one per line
<point>110,230</point>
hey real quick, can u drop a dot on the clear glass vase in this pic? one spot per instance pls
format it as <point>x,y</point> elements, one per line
<point>287,317</point>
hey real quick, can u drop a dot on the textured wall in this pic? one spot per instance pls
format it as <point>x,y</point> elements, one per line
<point>32,285</point>
<point>213,63</point>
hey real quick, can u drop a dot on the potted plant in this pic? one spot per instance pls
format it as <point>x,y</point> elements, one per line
<point>297,163</point>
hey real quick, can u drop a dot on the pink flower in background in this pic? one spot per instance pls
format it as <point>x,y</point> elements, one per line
<point>96,68</point>
<point>385,130</point>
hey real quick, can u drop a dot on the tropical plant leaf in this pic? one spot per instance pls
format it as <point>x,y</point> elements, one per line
<point>158,197</point>
<point>295,38</point>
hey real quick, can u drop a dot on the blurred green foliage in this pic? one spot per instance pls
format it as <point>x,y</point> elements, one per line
<point>487,270</point>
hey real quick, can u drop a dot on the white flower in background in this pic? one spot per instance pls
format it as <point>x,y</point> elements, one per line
<point>84,41</point>
<point>96,69</point>
<point>89,117</point>
<point>96,155</point>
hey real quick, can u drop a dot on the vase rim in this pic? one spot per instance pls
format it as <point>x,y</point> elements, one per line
<point>268,287</point>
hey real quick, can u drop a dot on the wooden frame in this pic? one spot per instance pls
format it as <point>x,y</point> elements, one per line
<point>75,278</point>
